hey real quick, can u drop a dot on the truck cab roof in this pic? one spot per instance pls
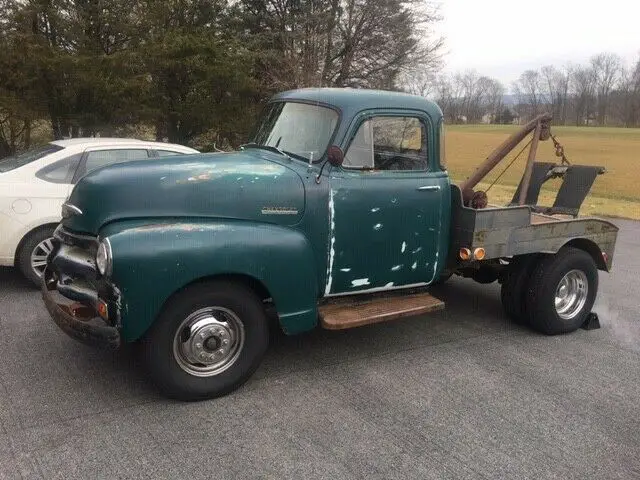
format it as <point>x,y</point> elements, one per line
<point>350,101</point>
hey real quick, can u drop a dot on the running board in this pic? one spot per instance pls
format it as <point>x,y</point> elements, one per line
<point>355,312</point>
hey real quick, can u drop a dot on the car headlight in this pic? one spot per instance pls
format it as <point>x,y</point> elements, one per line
<point>104,257</point>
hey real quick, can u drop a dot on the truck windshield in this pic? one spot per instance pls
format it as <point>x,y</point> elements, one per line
<point>17,161</point>
<point>297,129</point>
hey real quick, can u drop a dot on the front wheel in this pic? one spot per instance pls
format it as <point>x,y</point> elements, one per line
<point>207,342</point>
<point>562,291</point>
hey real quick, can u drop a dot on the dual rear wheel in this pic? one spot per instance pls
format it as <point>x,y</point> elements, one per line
<point>551,293</point>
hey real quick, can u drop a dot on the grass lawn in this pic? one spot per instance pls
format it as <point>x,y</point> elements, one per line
<point>616,193</point>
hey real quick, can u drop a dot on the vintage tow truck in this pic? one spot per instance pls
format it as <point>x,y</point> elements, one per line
<point>338,213</point>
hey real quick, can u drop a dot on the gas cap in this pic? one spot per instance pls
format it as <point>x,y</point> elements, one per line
<point>21,206</point>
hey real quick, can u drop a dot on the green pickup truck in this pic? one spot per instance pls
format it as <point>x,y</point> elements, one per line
<point>338,213</point>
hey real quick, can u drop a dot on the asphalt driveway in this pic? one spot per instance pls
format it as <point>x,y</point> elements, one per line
<point>458,394</point>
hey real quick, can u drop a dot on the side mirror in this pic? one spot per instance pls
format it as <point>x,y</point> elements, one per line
<point>335,155</point>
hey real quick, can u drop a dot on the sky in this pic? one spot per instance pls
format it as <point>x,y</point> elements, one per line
<point>502,38</point>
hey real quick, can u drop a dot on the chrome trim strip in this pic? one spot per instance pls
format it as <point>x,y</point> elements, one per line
<point>109,269</point>
<point>70,210</point>
<point>279,211</point>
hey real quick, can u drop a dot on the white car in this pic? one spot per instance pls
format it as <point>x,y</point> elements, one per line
<point>35,184</point>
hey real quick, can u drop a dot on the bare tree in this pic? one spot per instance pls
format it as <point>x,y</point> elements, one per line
<point>448,94</point>
<point>418,82</point>
<point>379,40</point>
<point>494,98</point>
<point>555,86</point>
<point>528,89</point>
<point>466,97</point>
<point>626,98</point>
<point>606,69</point>
<point>583,89</point>
<point>472,95</point>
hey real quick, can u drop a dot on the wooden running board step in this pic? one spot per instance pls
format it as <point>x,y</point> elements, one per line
<point>352,313</point>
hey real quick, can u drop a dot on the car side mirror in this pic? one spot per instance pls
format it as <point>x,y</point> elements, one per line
<point>335,155</point>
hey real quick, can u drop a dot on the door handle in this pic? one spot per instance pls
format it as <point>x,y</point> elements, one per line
<point>429,188</point>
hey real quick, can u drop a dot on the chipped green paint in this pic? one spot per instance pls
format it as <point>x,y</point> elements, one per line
<point>259,214</point>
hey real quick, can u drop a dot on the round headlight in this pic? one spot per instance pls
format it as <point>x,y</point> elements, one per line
<point>103,257</point>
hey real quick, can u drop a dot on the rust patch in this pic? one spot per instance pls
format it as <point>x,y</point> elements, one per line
<point>175,226</point>
<point>591,228</point>
<point>78,311</point>
<point>349,314</point>
<point>479,236</point>
<point>152,227</point>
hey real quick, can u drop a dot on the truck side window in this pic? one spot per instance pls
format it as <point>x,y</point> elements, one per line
<point>389,143</point>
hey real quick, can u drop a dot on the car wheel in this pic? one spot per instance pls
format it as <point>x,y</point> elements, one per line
<point>513,289</point>
<point>207,342</point>
<point>32,256</point>
<point>562,291</point>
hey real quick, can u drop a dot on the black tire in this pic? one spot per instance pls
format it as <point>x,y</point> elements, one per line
<point>513,290</point>
<point>23,257</point>
<point>545,280</point>
<point>164,364</point>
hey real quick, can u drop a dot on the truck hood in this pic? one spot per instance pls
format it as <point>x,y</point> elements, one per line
<point>245,185</point>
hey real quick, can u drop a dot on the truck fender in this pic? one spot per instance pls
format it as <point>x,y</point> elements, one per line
<point>151,262</point>
<point>592,249</point>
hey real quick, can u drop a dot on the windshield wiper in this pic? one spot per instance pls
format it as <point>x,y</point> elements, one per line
<point>266,147</point>
<point>284,153</point>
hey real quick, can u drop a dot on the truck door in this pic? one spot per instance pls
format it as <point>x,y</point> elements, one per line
<point>386,206</point>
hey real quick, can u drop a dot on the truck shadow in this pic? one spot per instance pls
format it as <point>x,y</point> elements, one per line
<point>119,378</point>
<point>471,310</point>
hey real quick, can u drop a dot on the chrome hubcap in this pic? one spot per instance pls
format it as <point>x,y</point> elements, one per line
<point>571,294</point>
<point>39,255</point>
<point>208,341</point>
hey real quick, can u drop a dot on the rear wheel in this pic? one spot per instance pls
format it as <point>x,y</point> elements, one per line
<point>33,253</point>
<point>514,286</point>
<point>207,342</point>
<point>562,291</point>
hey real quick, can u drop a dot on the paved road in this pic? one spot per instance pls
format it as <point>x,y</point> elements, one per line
<point>460,394</point>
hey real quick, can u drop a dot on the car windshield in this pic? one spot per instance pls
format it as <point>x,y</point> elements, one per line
<point>297,129</point>
<point>17,161</point>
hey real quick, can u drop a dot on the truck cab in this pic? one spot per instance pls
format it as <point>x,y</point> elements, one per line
<point>338,212</point>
